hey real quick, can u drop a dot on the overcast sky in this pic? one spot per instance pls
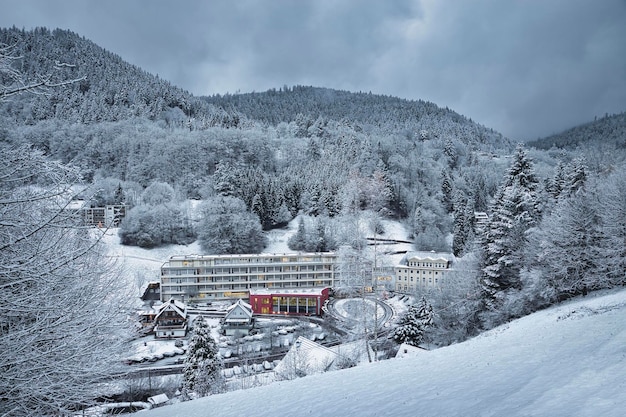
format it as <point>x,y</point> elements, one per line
<point>527,68</point>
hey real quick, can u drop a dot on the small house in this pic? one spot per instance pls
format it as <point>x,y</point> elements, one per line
<point>171,320</point>
<point>238,319</point>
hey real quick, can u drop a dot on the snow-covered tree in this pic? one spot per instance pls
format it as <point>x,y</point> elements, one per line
<point>457,304</point>
<point>575,176</point>
<point>63,324</point>
<point>299,240</point>
<point>613,213</point>
<point>202,366</point>
<point>14,82</point>
<point>150,226</point>
<point>515,209</point>
<point>227,227</point>
<point>568,252</point>
<point>414,323</point>
<point>158,193</point>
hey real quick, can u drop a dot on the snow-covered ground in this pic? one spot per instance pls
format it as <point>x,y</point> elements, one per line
<point>569,360</point>
<point>143,265</point>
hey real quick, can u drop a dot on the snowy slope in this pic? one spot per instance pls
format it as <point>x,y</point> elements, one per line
<point>566,361</point>
<point>141,266</point>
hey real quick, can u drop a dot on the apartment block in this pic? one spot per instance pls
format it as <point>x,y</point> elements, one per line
<point>206,278</point>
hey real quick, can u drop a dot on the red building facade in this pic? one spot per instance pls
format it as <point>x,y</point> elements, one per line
<point>289,302</point>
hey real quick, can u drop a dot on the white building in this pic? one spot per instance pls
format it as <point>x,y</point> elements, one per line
<point>422,270</point>
<point>238,319</point>
<point>208,278</point>
<point>171,320</point>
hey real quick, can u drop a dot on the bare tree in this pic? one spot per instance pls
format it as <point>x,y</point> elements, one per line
<point>13,82</point>
<point>63,318</point>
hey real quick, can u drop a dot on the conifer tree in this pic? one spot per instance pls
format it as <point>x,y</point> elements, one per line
<point>202,366</point>
<point>514,211</point>
<point>575,176</point>
<point>299,239</point>
<point>414,323</point>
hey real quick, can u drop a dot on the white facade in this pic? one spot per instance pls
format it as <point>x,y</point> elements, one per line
<point>230,277</point>
<point>422,270</point>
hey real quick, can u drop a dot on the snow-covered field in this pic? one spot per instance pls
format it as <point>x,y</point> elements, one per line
<point>569,360</point>
<point>143,265</point>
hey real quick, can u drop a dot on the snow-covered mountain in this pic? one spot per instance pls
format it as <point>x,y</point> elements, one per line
<point>569,360</point>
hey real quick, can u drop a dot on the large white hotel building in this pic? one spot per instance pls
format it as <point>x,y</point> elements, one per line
<point>206,278</point>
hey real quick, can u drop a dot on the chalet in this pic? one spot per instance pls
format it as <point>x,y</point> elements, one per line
<point>171,320</point>
<point>238,319</point>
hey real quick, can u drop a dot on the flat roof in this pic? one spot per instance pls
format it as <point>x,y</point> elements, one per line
<point>287,292</point>
<point>251,255</point>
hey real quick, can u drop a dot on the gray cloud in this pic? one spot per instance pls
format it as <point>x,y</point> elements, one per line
<point>525,68</point>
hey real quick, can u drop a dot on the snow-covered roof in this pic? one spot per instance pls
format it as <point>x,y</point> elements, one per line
<point>247,256</point>
<point>406,351</point>
<point>281,291</point>
<point>242,306</point>
<point>311,358</point>
<point>432,255</point>
<point>174,305</point>
<point>158,399</point>
<point>76,204</point>
<point>307,357</point>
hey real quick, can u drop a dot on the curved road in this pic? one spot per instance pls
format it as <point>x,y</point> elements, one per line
<point>354,317</point>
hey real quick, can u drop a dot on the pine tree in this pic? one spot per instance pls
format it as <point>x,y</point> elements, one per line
<point>425,313</point>
<point>460,228</point>
<point>447,189</point>
<point>575,176</point>
<point>202,366</point>
<point>299,239</point>
<point>514,211</point>
<point>414,323</point>
<point>556,183</point>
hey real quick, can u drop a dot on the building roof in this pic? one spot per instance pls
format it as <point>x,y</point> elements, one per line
<point>172,305</point>
<point>287,292</point>
<point>158,399</point>
<point>240,305</point>
<point>432,255</point>
<point>309,357</point>
<point>253,255</point>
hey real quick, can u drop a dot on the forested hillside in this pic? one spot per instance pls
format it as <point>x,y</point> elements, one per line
<point>316,151</point>
<point>608,131</point>
<point>311,108</point>
<point>108,89</point>
<point>556,219</point>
